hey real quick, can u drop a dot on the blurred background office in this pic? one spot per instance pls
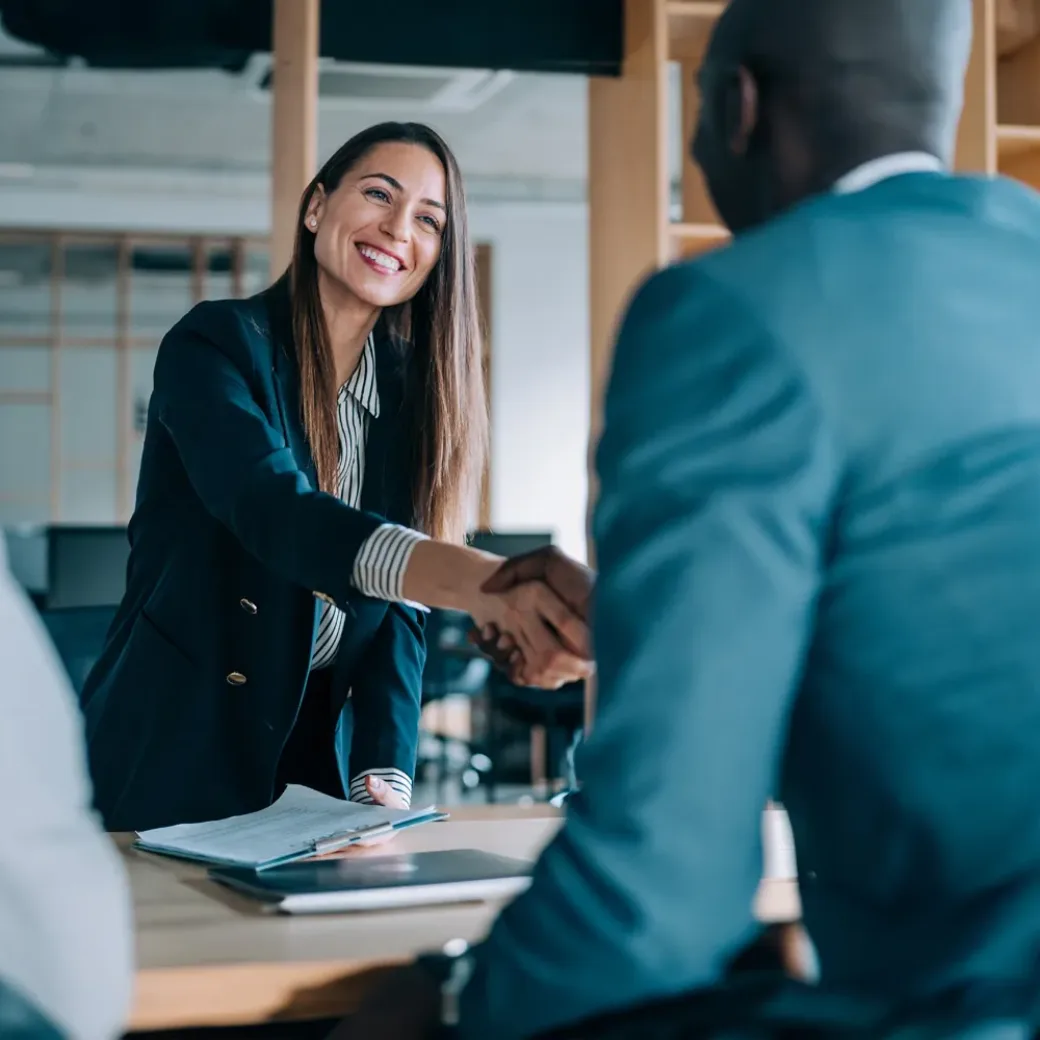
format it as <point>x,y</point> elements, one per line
<point>152,156</point>
<point>137,178</point>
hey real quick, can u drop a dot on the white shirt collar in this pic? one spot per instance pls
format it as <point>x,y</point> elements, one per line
<point>880,169</point>
<point>362,384</point>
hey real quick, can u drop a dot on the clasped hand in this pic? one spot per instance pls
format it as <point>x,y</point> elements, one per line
<point>533,619</point>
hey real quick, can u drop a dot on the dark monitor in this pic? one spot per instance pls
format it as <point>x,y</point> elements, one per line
<point>86,566</point>
<point>510,543</point>
<point>27,557</point>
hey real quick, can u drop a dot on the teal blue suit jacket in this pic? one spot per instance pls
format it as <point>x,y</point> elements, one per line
<point>819,542</point>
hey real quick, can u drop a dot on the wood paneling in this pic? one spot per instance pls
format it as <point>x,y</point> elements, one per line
<point>61,340</point>
<point>628,197</point>
<point>294,111</point>
<point>977,135</point>
<point>628,181</point>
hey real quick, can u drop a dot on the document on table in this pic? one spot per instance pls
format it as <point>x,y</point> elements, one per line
<point>301,823</point>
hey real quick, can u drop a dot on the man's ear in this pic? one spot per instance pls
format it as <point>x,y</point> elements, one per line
<point>741,110</point>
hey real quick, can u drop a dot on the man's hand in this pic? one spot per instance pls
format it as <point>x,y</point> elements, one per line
<point>401,1004</point>
<point>571,581</point>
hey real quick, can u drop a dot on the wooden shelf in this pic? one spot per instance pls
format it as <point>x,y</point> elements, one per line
<point>695,8</point>
<point>699,232</point>
<point>1018,153</point>
<point>689,26</point>
<point>690,240</point>
<point>1014,141</point>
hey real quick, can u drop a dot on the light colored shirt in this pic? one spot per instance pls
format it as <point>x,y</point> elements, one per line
<point>66,936</point>
<point>383,559</point>
<point>877,170</point>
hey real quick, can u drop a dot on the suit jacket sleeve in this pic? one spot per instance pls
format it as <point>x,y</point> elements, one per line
<point>388,693</point>
<point>716,476</point>
<point>240,464</point>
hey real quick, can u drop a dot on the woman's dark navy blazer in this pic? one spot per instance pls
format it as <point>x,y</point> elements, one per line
<point>232,550</point>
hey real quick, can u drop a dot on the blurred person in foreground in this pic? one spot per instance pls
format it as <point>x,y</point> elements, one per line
<point>66,939</point>
<point>819,542</point>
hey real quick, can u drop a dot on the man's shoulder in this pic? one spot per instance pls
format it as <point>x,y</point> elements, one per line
<point>819,251</point>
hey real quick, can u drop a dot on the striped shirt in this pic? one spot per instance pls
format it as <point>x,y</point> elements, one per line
<point>383,558</point>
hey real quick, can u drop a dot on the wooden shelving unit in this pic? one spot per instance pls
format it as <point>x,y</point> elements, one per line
<point>630,173</point>
<point>1017,90</point>
<point>630,189</point>
<point>689,27</point>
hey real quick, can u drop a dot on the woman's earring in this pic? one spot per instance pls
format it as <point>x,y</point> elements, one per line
<point>313,222</point>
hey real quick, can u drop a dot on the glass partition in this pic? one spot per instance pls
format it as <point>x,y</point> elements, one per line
<point>81,319</point>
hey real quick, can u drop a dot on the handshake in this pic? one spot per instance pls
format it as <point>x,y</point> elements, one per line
<point>533,621</point>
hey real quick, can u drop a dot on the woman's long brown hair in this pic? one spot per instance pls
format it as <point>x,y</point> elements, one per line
<point>442,324</point>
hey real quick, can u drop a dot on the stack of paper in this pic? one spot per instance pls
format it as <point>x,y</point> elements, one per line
<point>301,823</point>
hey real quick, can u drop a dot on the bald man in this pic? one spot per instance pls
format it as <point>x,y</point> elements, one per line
<point>819,547</point>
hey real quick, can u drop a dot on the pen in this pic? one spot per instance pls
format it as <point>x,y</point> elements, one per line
<point>339,841</point>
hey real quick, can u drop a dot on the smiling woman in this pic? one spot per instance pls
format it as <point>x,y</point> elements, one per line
<point>383,230</point>
<point>311,456</point>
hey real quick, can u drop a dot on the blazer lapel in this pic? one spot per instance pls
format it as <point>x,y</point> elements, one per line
<point>388,454</point>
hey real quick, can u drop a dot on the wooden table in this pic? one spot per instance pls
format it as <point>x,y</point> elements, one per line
<point>207,956</point>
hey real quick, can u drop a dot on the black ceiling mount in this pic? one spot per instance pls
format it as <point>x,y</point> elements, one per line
<point>575,36</point>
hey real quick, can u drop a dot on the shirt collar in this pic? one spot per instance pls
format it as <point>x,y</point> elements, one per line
<point>362,384</point>
<point>880,169</point>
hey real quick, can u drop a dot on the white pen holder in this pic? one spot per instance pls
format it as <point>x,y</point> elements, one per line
<point>779,862</point>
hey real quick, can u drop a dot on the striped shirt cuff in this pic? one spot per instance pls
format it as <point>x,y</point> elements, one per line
<point>382,561</point>
<point>400,782</point>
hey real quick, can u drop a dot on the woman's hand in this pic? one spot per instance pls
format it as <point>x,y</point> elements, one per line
<point>383,794</point>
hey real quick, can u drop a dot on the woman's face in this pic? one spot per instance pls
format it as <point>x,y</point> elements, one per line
<point>379,234</point>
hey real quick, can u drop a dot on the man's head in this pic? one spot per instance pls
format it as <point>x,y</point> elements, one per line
<point>796,93</point>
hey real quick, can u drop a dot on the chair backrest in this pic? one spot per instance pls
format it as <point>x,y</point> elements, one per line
<point>450,668</point>
<point>78,634</point>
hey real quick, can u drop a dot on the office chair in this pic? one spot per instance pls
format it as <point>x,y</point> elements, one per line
<point>560,712</point>
<point>453,668</point>
<point>78,634</point>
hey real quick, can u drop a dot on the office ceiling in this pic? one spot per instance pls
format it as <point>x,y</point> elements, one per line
<point>517,135</point>
<point>579,36</point>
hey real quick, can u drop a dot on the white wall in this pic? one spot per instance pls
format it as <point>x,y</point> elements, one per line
<point>540,333</point>
<point>540,366</point>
